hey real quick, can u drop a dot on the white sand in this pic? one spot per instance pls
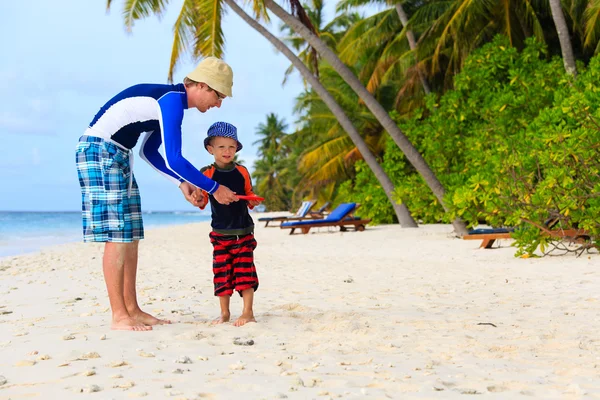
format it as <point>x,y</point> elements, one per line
<point>385,313</point>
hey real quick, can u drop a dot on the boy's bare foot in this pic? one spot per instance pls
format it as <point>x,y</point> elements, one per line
<point>222,319</point>
<point>147,319</point>
<point>129,324</point>
<point>244,319</point>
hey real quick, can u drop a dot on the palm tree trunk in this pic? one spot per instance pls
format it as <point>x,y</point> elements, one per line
<point>402,212</point>
<point>563,35</point>
<point>412,43</point>
<point>378,111</point>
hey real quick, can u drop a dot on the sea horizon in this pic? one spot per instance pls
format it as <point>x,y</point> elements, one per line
<point>23,232</point>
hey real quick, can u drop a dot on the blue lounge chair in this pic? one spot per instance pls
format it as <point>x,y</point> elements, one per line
<point>342,216</point>
<point>300,214</point>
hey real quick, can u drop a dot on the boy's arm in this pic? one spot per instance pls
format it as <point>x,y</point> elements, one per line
<point>171,115</point>
<point>248,190</point>
<point>200,195</point>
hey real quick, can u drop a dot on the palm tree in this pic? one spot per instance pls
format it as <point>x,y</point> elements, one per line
<point>410,35</point>
<point>266,172</point>
<point>382,116</point>
<point>377,49</point>
<point>269,185</point>
<point>401,210</point>
<point>563,36</point>
<point>272,134</point>
<point>330,34</point>
<point>192,23</point>
<point>452,29</point>
<point>591,23</point>
<point>328,154</point>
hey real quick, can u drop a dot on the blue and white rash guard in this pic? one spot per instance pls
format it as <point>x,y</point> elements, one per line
<point>158,111</point>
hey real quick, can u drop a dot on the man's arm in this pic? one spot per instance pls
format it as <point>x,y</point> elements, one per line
<point>171,115</point>
<point>149,153</point>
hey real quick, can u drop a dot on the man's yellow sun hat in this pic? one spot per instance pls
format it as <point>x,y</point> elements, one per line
<point>216,73</point>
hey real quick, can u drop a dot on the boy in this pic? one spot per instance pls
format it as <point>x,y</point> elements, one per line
<point>232,235</point>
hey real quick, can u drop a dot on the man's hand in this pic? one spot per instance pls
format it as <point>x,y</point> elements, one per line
<point>224,195</point>
<point>188,192</point>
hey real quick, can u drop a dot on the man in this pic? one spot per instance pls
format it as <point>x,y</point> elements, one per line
<point>111,206</point>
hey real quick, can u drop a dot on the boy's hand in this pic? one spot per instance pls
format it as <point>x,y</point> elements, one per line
<point>254,203</point>
<point>224,195</point>
<point>188,191</point>
<point>198,198</point>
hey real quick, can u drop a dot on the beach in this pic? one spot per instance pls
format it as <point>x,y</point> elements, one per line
<point>388,313</point>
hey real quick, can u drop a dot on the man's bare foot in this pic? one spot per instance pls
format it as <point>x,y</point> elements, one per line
<point>148,319</point>
<point>222,319</point>
<point>244,319</point>
<point>129,324</point>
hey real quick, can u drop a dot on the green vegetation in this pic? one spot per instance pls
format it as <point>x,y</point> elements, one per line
<point>477,111</point>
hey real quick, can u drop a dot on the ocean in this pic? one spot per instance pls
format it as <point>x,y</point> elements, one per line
<point>25,232</point>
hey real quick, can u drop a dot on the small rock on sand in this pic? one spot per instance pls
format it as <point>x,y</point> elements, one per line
<point>124,385</point>
<point>117,364</point>
<point>90,389</point>
<point>243,342</point>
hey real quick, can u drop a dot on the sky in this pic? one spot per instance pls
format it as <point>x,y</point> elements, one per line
<point>61,61</point>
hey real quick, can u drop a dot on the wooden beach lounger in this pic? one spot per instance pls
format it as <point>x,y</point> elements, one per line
<point>489,236</point>
<point>300,214</point>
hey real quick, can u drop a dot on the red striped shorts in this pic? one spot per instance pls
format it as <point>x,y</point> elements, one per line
<point>233,263</point>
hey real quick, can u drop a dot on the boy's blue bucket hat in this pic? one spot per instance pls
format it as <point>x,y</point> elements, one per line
<point>222,129</point>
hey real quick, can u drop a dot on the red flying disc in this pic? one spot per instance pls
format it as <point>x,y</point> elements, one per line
<point>244,197</point>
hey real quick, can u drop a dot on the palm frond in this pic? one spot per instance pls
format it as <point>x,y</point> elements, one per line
<point>138,9</point>
<point>592,24</point>
<point>209,39</point>
<point>333,169</point>
<point>259,10</point>
<point>344,5</point>
<point>183,31</point>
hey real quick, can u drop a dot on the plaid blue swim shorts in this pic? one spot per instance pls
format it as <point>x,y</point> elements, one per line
<point>110,213</point>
